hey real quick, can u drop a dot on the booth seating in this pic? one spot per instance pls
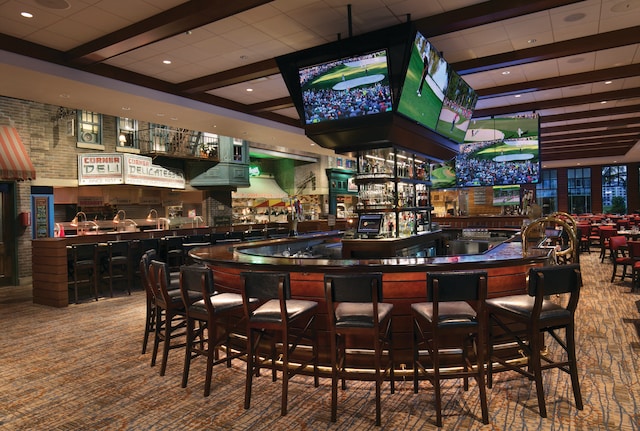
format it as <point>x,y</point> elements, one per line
<point>211,311</point>
<point>355,308</point>
<point>525,319</point>
<point>452,319</point>
<point>277,317</point>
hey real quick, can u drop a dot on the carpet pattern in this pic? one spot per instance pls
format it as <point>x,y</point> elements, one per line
<point>80,368</point>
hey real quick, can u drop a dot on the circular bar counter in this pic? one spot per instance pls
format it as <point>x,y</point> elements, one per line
<point>308,257</point>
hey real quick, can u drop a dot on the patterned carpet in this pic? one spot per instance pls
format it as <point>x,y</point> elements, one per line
<point>80,368</point>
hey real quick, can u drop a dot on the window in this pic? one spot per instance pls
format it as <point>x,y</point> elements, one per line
<point>89,129</point>
<point>579,190</point>
<point>547,191</point>
<point>614,189</point>
<point>127,130</point>
<point>238,150</point>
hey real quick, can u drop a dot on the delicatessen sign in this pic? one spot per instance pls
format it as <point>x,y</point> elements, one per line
<point>98,169</point>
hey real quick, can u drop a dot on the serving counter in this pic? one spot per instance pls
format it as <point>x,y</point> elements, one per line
<point>308,257</point>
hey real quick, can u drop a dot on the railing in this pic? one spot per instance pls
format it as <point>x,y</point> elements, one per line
<point>177,143</point>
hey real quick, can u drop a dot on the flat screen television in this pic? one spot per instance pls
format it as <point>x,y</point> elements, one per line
<point>425,84</point>
<point>457,108</point>
<point>349,87</point>
<point>506,195</point>
<point>500,151</point>
<point>443,175</point>
<point>369,224</point>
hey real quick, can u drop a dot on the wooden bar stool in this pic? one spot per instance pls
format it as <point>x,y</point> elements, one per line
<point>355,309</point>
<point>271,313</point>
<point>452,320</point>
<point>211,311</point>
<point>526,318</point>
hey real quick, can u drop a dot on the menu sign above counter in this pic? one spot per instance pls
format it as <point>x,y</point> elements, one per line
<point>102,169</point>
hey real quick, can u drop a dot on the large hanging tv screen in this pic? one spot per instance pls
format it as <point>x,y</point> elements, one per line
<point>425,84</point>
<point>457,108</point>
<point>500,151</point>
<point>443,175</point>
<point>350,87</point>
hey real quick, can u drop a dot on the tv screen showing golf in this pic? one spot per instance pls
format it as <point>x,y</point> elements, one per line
<point>500,151</point>
<point>443,175</point>
<point>425,83</point>
<point>457,109</point>
<point>346,88</point>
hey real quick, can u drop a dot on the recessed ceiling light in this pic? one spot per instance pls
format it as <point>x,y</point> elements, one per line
<point>603,102</point>
<point>608,82</point>
<point>249,90</point>
<point>574,17</point>
<point>518,95</point>
<point>174,118</point>
<point>532,41</point>
<point>578,164</point>
<point>625,6</point>
<point>26,14</point>
<point>126,108</point>
<point>506,72</point>
<point>166,61</point>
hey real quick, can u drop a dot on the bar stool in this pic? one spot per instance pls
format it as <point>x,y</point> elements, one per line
<point>170,313</point>
<point>83,264</point>
<point>276,313</point>
<point>150,316</point>
<point>117,264</point>
<point>174,256</point>
<point>526,318</point>
<point>211,311</point>
<point>355,308</point>
<point>452,320</point>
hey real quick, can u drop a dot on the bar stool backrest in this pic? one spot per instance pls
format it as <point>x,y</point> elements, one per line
<point>456,286</point>
<point>554,280</point>
<point>356,287</point>
<point>265,285</point>
<point>196,283</point>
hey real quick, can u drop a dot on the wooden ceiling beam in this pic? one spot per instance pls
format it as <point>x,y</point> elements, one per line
<point>628,93</point>
<point>180,19</point>
<point>598,42</point>
<point>618,124</point>
<point>628,71</point>
<point>603,112</point>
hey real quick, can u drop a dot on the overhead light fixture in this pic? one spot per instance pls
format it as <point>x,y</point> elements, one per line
<point>532,41</point>
<point>26,14</point>
<point>518,95</point>
<point>608,82</point>
<point>603,102</point>
<point>506,72</point>
<point>249,90</point>
<point>166,61</point>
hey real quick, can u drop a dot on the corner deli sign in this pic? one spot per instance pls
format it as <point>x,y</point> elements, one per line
<point>106,169</point>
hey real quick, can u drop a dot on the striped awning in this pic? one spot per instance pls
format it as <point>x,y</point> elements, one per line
<point>15,163</point>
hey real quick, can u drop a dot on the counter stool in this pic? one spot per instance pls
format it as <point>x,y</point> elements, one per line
<point>526,318</point>
<point>275,313</point>
<point>170,313</point>
<point>452,320</point>
<point>211,311</point>
<point>117,264</point>
<point>355,308</point>
<point>83,267</point>
<point>150,316</point>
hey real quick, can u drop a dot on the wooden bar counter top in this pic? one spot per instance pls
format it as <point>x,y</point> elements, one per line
<point>308,257</point>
